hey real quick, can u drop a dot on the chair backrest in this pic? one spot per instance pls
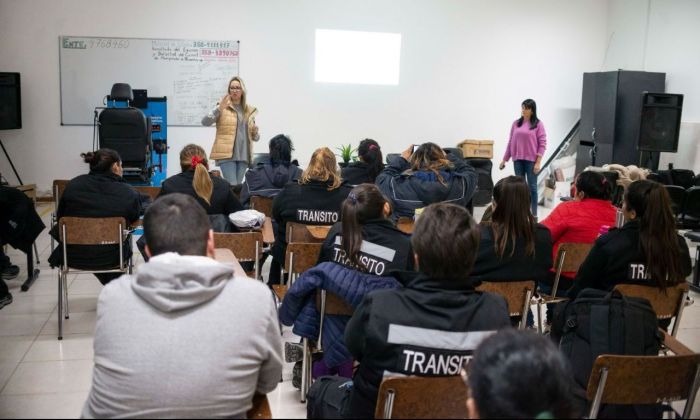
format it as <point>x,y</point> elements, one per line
<point>301,256</point>
<point>261,408</point>
<point>692,202</point>
<point>571,255</point>
<point>127,131</point>
<point>261,204</point>
<point>422,398</point>
<point>298,232</point>
<point>667,304</point>
<point>405,224</point>
<point>246,246</point>
<point>643,380</point>
<point>59,185</point>
<point>149,191</point>
<point>516,293</point>
<point>91,230</point>
<point>331,304</point>
<point>243,245</point>
<point>677,195</point>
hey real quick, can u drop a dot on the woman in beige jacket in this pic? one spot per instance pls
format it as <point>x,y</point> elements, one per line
<point>235,132</point>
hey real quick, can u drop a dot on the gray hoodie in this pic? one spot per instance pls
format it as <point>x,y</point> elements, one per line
<point>183,338</point>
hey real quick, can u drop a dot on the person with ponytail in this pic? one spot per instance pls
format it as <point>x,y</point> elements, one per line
<point>315,200</point>
<point>100,193</point>
<point>268,178</point>
<point>366,240</point>
<point>519,375</point>
<point>427,175</point>
<point>211,192</point>
<point>370,164</point>
<point>646,250</point>
<point>513,245</point>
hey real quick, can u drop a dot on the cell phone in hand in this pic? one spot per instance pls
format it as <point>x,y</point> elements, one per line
<point>415,147</point>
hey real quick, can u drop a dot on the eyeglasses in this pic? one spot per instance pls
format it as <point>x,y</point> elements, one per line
<point>235,88</point>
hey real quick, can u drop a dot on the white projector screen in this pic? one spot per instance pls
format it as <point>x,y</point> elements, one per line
<point>370,58</point>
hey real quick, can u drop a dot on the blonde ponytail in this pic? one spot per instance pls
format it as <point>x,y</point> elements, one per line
<point>193,157</point>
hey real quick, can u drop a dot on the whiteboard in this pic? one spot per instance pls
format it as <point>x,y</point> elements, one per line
<point>192,74</point>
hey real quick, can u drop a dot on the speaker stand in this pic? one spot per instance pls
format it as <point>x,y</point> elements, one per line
<point>11,164</point>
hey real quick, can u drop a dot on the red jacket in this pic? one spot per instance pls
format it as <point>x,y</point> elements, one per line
<point>579,222</point>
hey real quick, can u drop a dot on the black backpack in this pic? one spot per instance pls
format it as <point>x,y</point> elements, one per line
<point>600,322</point>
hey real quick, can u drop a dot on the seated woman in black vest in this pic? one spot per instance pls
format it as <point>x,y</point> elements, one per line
<point>100,193</point>
<point>211,192</point>
<point>369,165</point>
<point>315,200</point>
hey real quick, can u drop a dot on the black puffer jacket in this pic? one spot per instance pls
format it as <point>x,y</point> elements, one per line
<point>617,257</point>
<point>96,195</point>
<point>267,179</point>
<point>409,190</point>
<point>428,328</point>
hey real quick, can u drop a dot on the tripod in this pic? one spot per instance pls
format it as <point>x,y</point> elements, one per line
<point>32,273</point>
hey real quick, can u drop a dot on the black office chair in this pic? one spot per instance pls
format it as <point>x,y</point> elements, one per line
<point>677,195</point>
<point>691,209</point>
<point>128,131</point>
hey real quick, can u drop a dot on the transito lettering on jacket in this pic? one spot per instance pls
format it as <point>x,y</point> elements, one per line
<point>638,272</point>
<point>373,257</point>
<point>432,363</point>
<point>432,352</point>
<point>317,216</point>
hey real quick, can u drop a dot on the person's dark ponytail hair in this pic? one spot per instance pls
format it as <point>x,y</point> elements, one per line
<point>365,202</point>
<point>281,149</point>
<point>657,231</point>
<point>371,153</point>
<point>530,104</point>
<point>593,185</point>
<point>512,219</point>
<point>101,160</point>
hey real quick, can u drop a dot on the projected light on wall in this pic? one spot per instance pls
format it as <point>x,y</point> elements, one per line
<point>370,58</point>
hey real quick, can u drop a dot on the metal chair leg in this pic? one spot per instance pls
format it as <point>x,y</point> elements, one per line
<point>60,305</point>
<point>540,323</point>
<point>304,367</point>
<point>66,313</point>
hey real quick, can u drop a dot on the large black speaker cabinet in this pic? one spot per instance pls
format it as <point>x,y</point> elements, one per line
<point>10,102</point>
<point>660,122</point>
<point>611,118</point>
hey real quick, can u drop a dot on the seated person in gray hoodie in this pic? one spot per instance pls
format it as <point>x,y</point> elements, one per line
<point>183,337</point>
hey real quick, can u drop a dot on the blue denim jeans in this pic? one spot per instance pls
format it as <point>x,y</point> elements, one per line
<point>233,171</point>
<point>525,168</point>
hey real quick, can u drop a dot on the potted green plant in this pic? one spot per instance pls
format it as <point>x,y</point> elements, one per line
<point>346,154</point>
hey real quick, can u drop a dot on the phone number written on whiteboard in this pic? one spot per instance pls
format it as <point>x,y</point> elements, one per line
<point>85,43</point>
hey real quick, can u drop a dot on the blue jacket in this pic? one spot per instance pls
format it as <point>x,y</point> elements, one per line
<point>299,305</point>
<point>409,190</point>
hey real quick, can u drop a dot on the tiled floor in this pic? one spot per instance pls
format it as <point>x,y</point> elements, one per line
<point>41,377</point>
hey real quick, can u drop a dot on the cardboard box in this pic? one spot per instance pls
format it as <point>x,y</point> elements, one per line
<point>477,148</point>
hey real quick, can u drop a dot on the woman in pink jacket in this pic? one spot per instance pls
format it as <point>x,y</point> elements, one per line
<point>526,145</point>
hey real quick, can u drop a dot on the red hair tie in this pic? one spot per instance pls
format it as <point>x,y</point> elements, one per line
<point>196,160</point>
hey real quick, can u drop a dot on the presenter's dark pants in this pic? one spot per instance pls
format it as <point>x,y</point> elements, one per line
<point>525,168</point>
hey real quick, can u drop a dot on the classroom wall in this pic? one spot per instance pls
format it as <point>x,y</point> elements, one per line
<point>663,36</point>
<point>465,68</point>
